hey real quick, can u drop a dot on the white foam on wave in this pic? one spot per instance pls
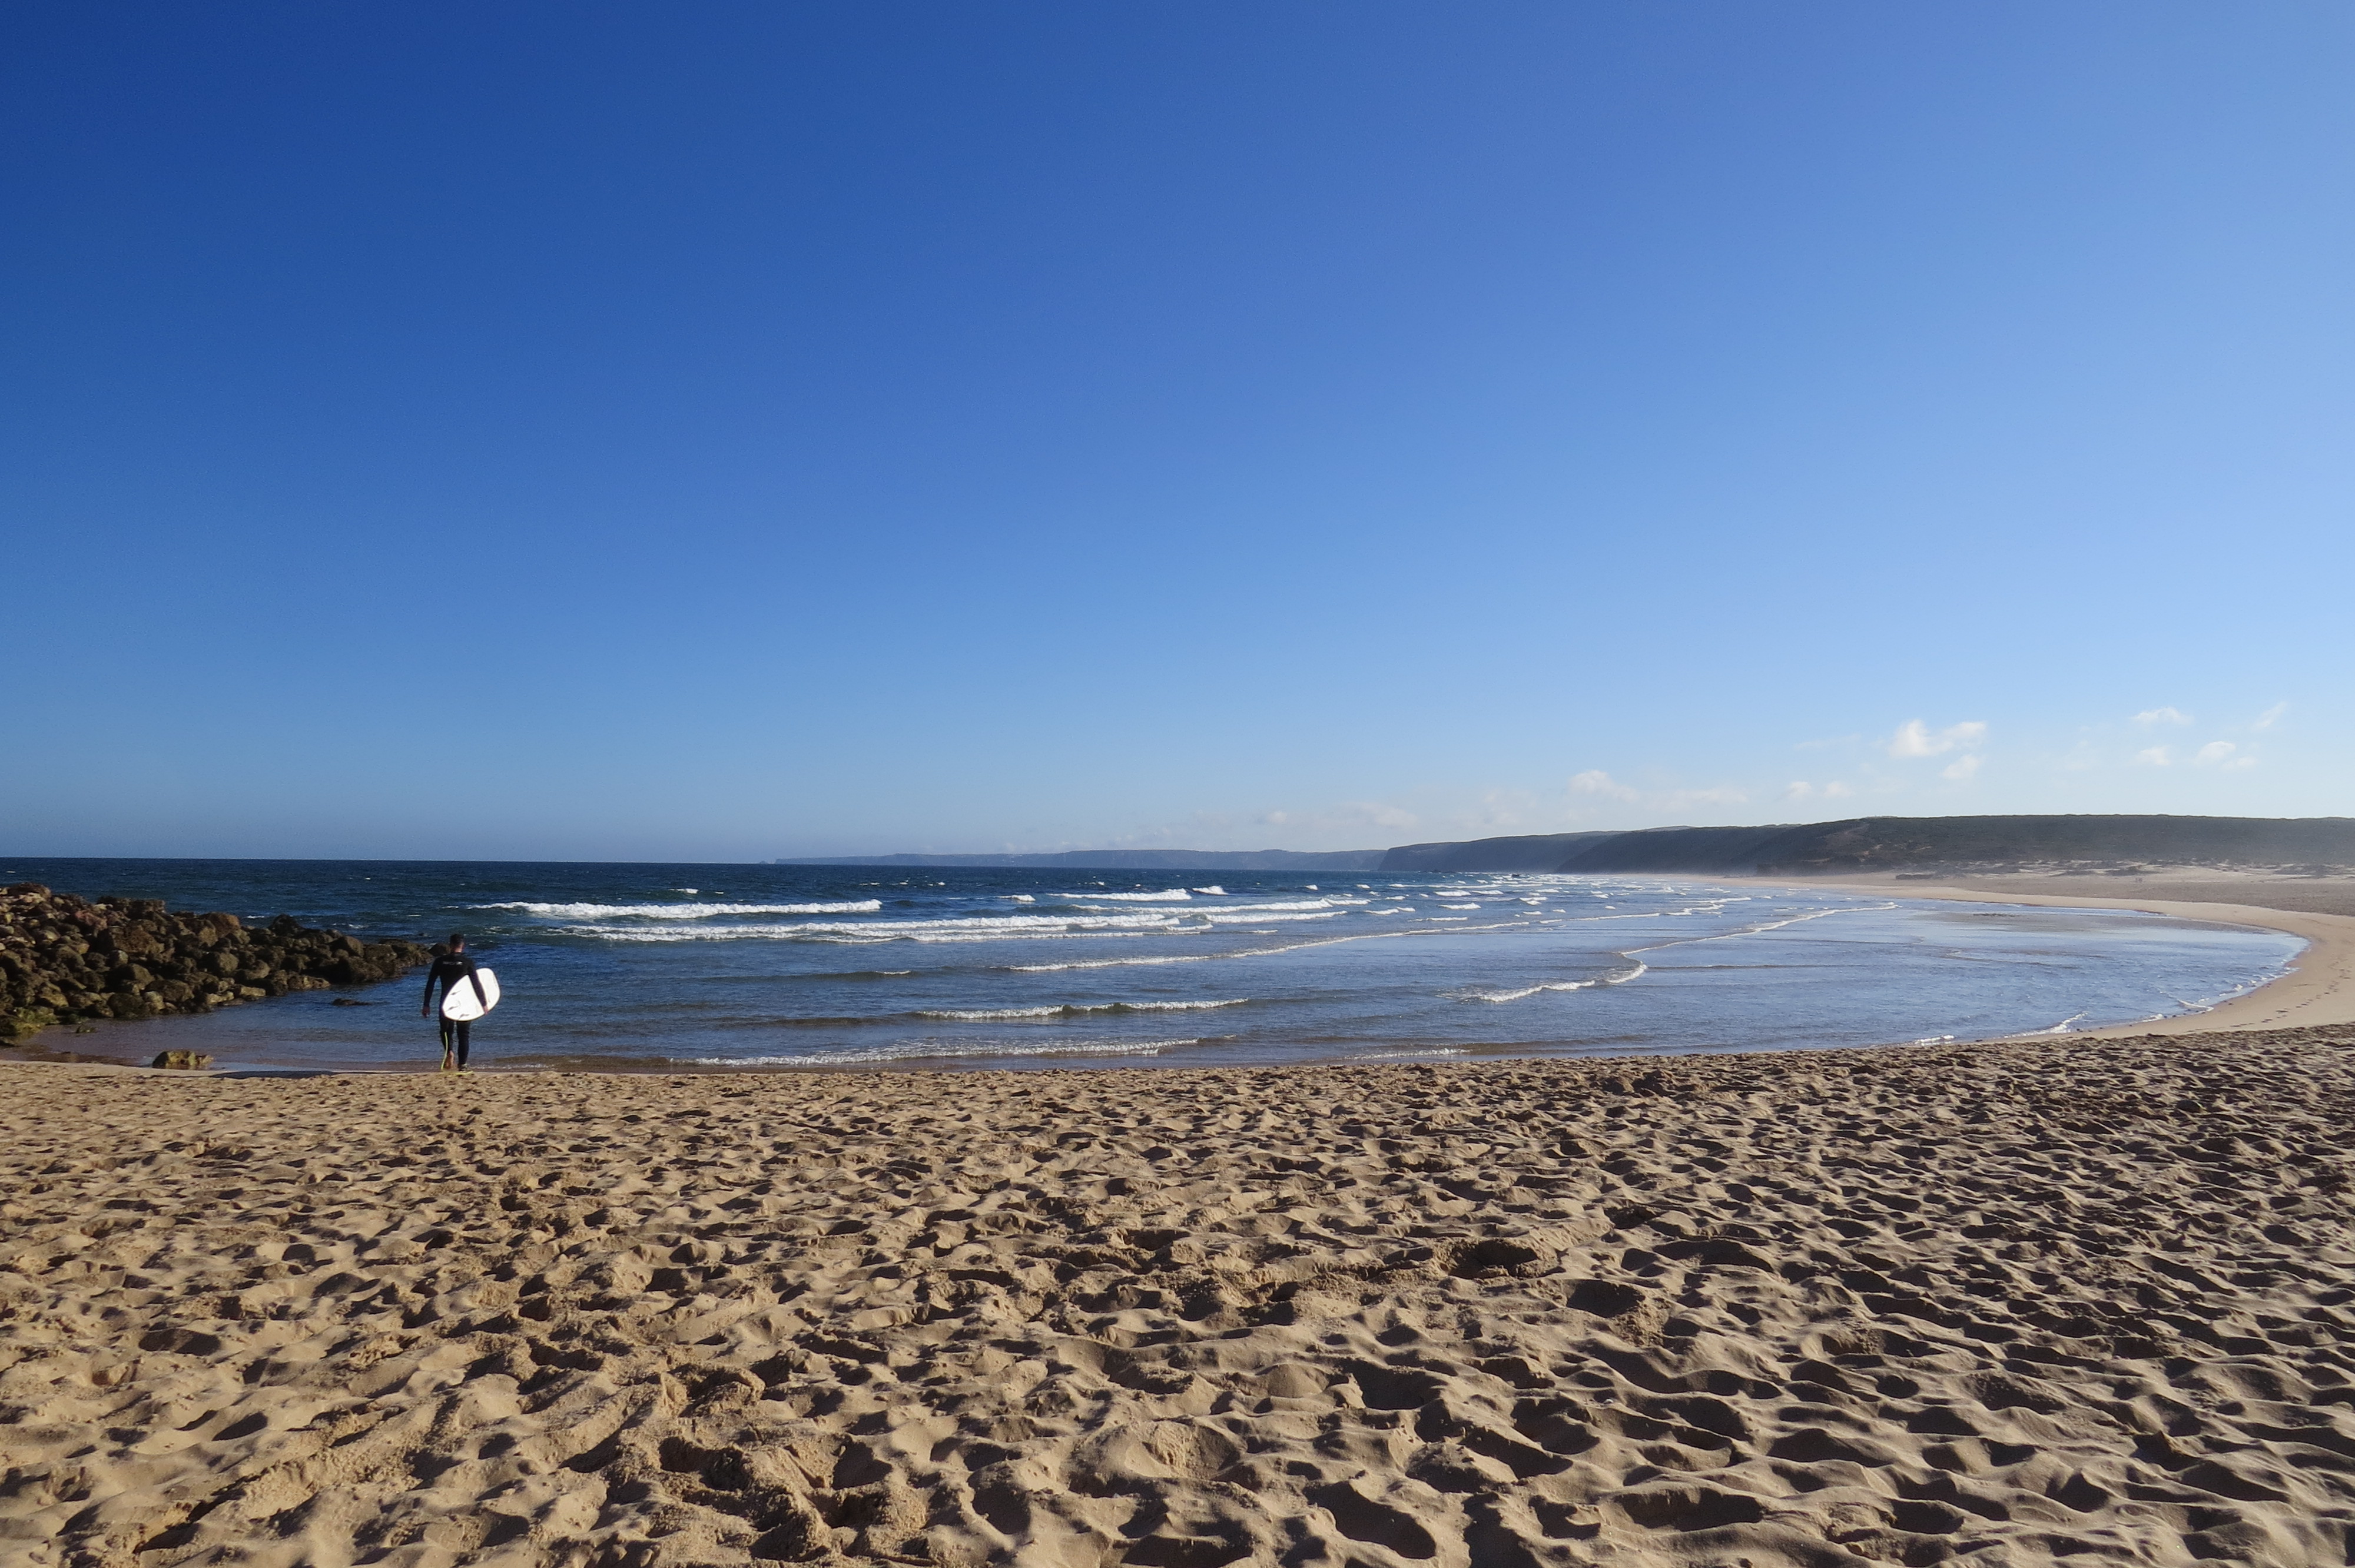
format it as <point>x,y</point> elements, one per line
<point>1621,979</point>
<point>1251,952</point>
<point>1712,907</point>
<point>1762,927</point>
<point>1174,896</point>
<point>685,911</point>
<point>972,928</point>
<point>1255,918</point>
<point>1118,963</point>
<point>2266,976</point>
<point>1071,1010</point>
<point>1075,934</point>
<point>1459,906</point>
<point>1021,898</point>
<point>1213,891</point>
<point>946,1050</point>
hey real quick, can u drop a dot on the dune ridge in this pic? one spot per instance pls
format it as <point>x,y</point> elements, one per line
<point>2079,1301</point>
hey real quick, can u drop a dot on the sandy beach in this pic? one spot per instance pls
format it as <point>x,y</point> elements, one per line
<point>2082,1301</point>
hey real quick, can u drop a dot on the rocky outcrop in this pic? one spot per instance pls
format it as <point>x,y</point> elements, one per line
<point>64,959</point>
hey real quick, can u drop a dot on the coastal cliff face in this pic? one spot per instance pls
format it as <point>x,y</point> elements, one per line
<point>1520,851</point>
<point>64,959</point>
<point>1889,843</point>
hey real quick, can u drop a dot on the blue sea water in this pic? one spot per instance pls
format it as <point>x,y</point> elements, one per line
<point>670,967</point>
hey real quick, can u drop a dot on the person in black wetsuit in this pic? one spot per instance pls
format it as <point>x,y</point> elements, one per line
<point>451,966</point>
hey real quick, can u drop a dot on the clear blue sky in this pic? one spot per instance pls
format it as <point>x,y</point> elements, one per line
<point>732,430</point>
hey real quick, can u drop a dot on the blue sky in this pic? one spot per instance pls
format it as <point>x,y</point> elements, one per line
<point>721,432</point>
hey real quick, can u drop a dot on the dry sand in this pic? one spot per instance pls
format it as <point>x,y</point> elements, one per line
<point>2319,991</point>
<point>2061,1301</point>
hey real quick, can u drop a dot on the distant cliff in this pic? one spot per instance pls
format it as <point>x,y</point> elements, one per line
<point>1528,852</point>
<point>1130,860</point>
<point>1892,844</point>
<point>1852,845</point>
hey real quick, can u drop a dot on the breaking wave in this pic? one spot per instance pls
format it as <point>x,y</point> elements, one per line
<point>684,911</point>
<point>1070,1010</point>
<point>1620,979</point>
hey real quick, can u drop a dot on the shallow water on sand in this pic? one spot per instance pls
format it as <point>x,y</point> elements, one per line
<point>727,965</point>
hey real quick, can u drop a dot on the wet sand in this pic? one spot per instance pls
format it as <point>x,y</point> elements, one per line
<point>2064,1300</point>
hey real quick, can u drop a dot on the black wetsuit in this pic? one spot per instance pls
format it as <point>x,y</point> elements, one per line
<point>448,970</point>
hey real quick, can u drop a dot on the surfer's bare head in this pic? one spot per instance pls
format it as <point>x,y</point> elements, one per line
<point>457,941</point>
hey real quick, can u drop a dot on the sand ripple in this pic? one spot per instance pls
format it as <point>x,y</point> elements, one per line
<point>2086,1302</point>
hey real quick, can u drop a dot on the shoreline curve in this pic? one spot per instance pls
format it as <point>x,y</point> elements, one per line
<point>2317,990</point>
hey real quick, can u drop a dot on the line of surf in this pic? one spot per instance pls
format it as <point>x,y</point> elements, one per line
<point>1070,1010</point>
<point>684,911</point>
<point>1248,953</point>
<point>944,1051</point>
<point>1599,981</point>
<point>970,928</point>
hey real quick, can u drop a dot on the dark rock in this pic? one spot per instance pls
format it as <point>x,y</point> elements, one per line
<point>190,1060</point>
<point>64,959</point>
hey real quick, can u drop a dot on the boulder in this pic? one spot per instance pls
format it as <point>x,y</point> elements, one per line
<point>64,959</point>
<point>192,1061</point>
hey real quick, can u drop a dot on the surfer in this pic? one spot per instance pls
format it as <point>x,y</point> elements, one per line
<point>451,965</point>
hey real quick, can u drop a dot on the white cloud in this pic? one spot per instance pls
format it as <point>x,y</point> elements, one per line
<point>1595,782</point>
<point>2155,756</point>
<point>1800,789</point>
<point>1600,785</point>
<point>2162,716</point>
<point>1504,807</point>
<point>2224,754</point>
<point>1915,738</point>
<point>2266,719</point>
<point>1349,816</point>
<point>1961,768</point>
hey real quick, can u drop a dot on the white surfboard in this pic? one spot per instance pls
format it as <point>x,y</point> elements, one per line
<point>461,1007</point>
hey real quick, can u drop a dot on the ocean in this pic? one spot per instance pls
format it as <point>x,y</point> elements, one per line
<point>671,968</point>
